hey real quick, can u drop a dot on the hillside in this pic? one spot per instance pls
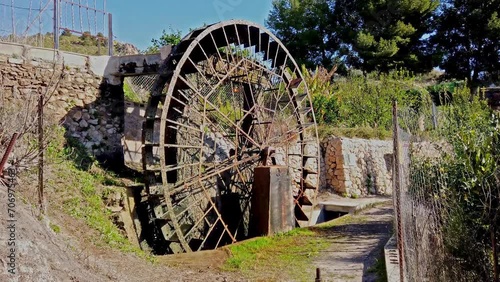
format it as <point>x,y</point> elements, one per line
<point>83,44</point>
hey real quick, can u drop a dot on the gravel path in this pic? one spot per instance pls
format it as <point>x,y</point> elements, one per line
<point>356,245</point>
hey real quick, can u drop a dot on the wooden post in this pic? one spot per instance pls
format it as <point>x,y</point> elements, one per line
<point>397,187</point>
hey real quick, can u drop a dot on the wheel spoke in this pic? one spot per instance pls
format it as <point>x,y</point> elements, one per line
<point>230,93</point>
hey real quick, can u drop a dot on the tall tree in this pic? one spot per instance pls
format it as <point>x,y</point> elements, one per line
<point>307,29</point>
<point>388,34</point>
<point>468,36</point>
<point>370,34</point>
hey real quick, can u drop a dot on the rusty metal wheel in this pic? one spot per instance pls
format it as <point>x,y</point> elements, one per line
<point>225,93</point>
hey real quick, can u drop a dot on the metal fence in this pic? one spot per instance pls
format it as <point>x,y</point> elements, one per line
<point>138,88</point>
<point>82,26</point>
<point>446,198</point>
<point>417,214</point>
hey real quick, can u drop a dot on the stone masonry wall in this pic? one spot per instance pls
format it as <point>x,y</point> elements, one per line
<point>90,110</point>
<point>358,167</point>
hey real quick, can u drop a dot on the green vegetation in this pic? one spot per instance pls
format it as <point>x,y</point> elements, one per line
<point>379,268</point>
<point>130,95</point>
<point>460,37</point>
<point>277,257</point>
<point>464,186</point>
<point>357,132</point>
<point>286,255</point>
<point>361,106</point>
<point>84,44</point>
<point>55,228</point>
<point>166,38</point>
<point>79,186</point>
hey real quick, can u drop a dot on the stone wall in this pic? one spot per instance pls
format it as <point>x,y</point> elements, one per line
<point>357,167</point>
<point>90,109</point>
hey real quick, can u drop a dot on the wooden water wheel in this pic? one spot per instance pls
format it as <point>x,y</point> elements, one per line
<point>224,93</point>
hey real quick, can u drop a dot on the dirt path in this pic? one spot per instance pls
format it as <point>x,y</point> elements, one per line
<point>356,245</point>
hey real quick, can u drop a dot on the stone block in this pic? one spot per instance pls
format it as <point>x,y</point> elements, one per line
<point>16,61</point>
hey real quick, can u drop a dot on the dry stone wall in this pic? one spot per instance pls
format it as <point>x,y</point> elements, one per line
<point>357,167</point>
<point>89,108</point>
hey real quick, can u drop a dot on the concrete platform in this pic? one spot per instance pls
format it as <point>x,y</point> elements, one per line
<point>335,203</point>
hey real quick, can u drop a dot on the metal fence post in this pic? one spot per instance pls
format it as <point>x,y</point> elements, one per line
<point>56,24</point>
<point>110,34</point>
<point>397,187</point>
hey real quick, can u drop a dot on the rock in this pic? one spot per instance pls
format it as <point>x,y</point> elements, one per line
<point>79,80</point>
<point>16,61</point>
<point>24,82</point>
<point>93,121</point>
<point>115,208</point>
<point>83,123</point>
<point>77,115</point>
<point>310,150</point>
<point>79,103</point>
<point>88,145</point>
<point>86,116</point>
<point>311,180</point>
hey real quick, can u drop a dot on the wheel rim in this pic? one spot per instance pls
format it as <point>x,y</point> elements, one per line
<point>224,94</point>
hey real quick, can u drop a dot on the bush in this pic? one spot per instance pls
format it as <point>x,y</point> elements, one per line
<point>363,102</point>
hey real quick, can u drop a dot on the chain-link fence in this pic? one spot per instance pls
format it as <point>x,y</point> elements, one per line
<point>418,226</point>
<point>82,26</point>
<point>447,192</point>
<point>138,88</point>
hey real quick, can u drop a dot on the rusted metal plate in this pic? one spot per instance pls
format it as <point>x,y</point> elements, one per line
<point>272,201</point>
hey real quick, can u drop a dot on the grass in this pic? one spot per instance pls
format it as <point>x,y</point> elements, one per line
<point>379,268</point>
<point>344,220</point>
<point>278,257</point>
<point>325,131</point>
<point>55,228</point>
<point>79,186</point>
<point>130,95</point>
<point>284,256</point>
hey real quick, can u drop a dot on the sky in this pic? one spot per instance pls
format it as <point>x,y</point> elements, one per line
<point>138,21</point>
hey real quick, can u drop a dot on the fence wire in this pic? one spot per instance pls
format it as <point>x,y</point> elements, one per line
<point>420,233</point>
<point>138,88</point>
<point>31,22</point>
<point>433,232</point>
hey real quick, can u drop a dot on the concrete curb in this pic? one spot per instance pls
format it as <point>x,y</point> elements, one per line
<point>392,260</point>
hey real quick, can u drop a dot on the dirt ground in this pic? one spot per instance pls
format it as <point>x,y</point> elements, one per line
<point>42,255</point>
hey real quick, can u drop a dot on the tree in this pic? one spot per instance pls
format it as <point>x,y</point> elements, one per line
<point>370,34</point>
<point>172,38</point>
<point>468,36</point>
<point>388,34</point>
<point>308,30</point>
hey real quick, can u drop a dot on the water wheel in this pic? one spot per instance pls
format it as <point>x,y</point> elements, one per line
<point>225,93</point>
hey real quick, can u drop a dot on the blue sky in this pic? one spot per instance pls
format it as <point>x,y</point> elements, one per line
<point>137,21</point>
